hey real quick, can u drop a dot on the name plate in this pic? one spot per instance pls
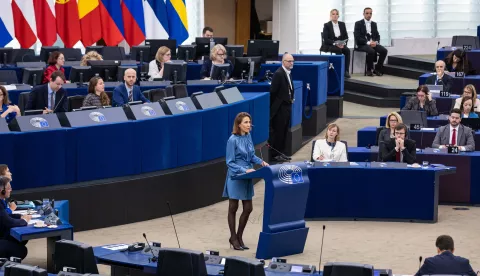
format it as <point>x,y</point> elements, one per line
<point>445,94</point>
<point>415,127</point>
<point>467,47</point>
<point>453,150</point>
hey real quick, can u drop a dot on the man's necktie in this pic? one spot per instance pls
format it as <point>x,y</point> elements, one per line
<point>398,156</point>
<point>454,137</point>
<point>130,95</point>
<point>52,101</point>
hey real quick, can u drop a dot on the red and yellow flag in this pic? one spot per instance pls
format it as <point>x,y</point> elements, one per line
<point>90,22</point>
<point>68,23</point>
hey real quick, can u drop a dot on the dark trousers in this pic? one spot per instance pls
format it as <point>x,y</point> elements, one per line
<point>10,248</point>
<point>345,51</point>
<point>279,125</point>
<point>371,54</point>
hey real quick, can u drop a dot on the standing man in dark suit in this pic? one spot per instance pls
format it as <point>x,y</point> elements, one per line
<point>454,134</point>
<point>9,247</point>
<point>440,78</point>
<point>334,31</point>
<point>281,100</point>
<point>49,97</point>
<point>367,39</point>
<point>398,149</point>
<point>445,263</point>
<point>128,91</point>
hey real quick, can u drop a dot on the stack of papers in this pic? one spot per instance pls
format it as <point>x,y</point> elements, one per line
<point>113,247</point>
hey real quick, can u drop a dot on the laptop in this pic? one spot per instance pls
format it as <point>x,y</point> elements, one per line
<point>435,88</point>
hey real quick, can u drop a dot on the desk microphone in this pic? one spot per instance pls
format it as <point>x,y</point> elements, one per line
<point>154,258</point>
<point>321,249</point>
<point>421,139</point>
<point>173,222</point>
<point>63,96</point>
<point>420,262</point>
<point>281,153</point>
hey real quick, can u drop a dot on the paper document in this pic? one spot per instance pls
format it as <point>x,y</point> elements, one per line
<point>10,87</point>
<point>116,246</point>
<point>428,128</point>
<point>353,164</point>
<point>33,221</point>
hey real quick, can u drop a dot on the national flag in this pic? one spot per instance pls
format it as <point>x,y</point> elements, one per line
<point>68,23</point>
<point>45,21</point>
<point>177,20</point>
<point>156,21</point>
<point>112,22</point>
<point>90,22</point>
<point>24,22</point>
<point>7,30</point>
<point>133,21</point>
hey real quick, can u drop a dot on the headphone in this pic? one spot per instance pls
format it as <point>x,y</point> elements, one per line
<point>4,185</point>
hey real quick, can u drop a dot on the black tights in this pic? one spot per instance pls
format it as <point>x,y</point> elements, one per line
<point>232,212</point>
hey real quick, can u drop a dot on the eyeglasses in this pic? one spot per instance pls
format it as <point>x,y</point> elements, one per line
<point>223,54</point>
<point>393,120</point>
<point>290,61</point>
<point>441,66</point>
<point>400,133</point>
<point>168,54</point>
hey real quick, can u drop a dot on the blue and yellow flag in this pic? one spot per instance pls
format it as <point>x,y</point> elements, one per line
<point>177,20</point>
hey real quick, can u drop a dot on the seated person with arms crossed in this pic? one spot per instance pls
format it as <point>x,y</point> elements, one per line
<point>96,94</point>
<point>454,134</point>
<point>423,102</point>
<point>398,149</point>
<point>49,97</point>
<point>440,78</point>
<point>469,91</point>
<point>335,30</point>
<point>218,55</point>
<point>388,132</point>
<point>330,148</point>
<point>445,263</point>
<point>128,91</point>
<point>467,108</point>
<point>9,110</point>
<point>155,67</point>
<point>9,247</point>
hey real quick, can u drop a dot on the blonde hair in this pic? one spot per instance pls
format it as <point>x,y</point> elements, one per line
<point>330,126</point>
<point>161,52</point>
<point>471,87</point>
<point>92,55</point>
<point>335,10</point>
<point>213,52</point>
<point>399,119</point>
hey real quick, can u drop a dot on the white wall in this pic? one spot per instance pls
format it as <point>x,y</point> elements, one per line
<point>285,24</point>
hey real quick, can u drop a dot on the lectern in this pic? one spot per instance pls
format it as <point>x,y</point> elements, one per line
<point>286,192</point>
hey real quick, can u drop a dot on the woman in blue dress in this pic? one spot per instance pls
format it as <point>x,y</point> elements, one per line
<point>9,111</point>
<point>240,158</point>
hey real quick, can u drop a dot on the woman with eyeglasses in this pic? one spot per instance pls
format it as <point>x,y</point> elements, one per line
<point>218,55</point>
<point>156,66</point>
<point>9,110</point>
<point>423,102</point>
<point>393,119</point>
<point>469,91</point>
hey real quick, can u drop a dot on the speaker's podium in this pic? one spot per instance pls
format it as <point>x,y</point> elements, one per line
<point>286,192</point>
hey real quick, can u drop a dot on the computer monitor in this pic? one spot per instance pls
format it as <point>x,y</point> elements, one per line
<point>220,71</point>
<point>203,44</point>
<point>140,53</point>
<point>33,112</point>
<point>414,117</point>
<point>351,269</point>
<point>106,69</point>
<point>240,266</point>
<point>45,52</point>
<point>187,52</point>
<point>267,49</point>
<point>176,261</point>
<point>75,254</point>
<point>235,50</point>
<point>175,71</point>
<point>155,44</point>
<point>32,76</point>
<point>81,74</point>
<point>473,123</point>
<point>6,55</point>
<point>15,269</point>
<point>241,69</point>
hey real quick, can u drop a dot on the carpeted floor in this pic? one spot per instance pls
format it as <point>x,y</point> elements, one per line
<point>382,244</point>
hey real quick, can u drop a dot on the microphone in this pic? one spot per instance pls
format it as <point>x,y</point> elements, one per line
<point>63,96</point>
<point>277,151</point>
<point>154,258</point>
<point>321,249</point>
<point>438,45</point>
<point>421,139</point>
<point>420,262</point>
<point>173,222</point>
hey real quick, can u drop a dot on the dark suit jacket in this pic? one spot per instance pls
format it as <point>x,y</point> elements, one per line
<point>388,152</point>
<point>329,35</point>
<point>7,222</point>
<point>279,91</point>
<point>446,264</point>
<point>360,33</point>
<point>447,82</point>
<point>207,68</point>
<point>120,95</point>
<point>430,107</point>
<point>38,99</point>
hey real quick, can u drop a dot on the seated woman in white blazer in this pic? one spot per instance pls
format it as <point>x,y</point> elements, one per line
<point>155,67</point>
<point>330,149</point>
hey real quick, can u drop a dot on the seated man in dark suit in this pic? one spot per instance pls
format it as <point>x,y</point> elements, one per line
<point>454,134</point>
<point>333,31</point>
<point>49,97</point>
<point>440,78</point>
<point>367,39</point>
<point>398,149</point>
<point>445,263</point>
<point>9,247</point>
<point>128,91</point>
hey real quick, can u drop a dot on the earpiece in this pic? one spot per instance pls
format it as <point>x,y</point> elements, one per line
<point>4,185</point>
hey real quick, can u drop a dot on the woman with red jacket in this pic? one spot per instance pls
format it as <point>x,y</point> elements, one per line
<point>55,63</point>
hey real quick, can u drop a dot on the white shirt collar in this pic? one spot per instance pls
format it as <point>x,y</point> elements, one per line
<point>335,24</point>
<point>50,90</point>
<point>452,128</point>
<point>286,70</point>
<point>367,21</point>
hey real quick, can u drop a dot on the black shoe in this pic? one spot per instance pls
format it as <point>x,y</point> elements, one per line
<point>378,73</point>
<point>347,75</point>
<point>369,73</point>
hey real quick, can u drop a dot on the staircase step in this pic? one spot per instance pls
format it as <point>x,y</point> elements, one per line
<point>412,62</point>
<point>403,71</point>
<point>371,100</point>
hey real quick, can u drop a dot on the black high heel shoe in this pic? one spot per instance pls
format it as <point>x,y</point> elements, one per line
<point>235,246</point>
<point>242,245</point>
